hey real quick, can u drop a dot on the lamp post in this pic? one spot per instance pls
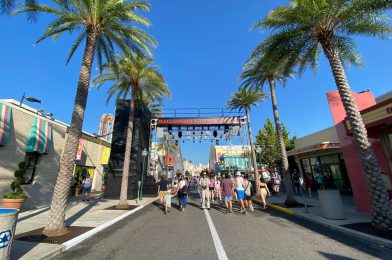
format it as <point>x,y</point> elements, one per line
<point>259,150</point>
<point>144,154</point>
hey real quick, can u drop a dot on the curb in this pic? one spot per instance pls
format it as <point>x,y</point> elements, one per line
<point>79,239</point>
<point>353,233</point>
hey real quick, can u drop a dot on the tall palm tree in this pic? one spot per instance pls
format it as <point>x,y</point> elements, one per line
<point>307,27</point>
<point>103,24</point>
<point>257,72</point>
<point>242,100</point>
<point>167,145</point>
<point>136,76</point>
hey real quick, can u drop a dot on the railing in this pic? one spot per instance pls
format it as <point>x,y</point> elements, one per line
<point>199,112</point>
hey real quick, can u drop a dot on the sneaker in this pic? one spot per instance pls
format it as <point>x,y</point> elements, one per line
<point>251,208</point>
<point>227,211</point>
<point>245,213</point>
<point>209,208</point>
<point>242,211</point>
<point>231,211</point>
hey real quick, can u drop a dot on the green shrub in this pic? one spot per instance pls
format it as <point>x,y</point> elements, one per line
<point>15,195</point>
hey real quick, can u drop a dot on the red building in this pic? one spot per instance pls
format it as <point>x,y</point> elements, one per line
<point>317,152</point>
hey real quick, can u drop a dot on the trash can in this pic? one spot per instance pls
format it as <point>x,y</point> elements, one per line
<point>8,219</point>
<point>331,204</point>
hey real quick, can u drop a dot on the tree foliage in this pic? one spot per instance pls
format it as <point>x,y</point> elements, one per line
<point>267,140</point>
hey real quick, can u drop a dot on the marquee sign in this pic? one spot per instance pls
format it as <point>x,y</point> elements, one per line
<point>199,121</point>
<point>312,148</point>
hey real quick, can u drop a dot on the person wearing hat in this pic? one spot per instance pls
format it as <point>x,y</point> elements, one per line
<point>240,186</point>
<point>205,191</point>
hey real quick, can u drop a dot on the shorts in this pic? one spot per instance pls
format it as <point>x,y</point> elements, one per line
<point>228,198</point>
<point>241,194</point>
<point>86,189</point>
<point>162,195</point>
<point>211,188</point>
<point>248,197</point>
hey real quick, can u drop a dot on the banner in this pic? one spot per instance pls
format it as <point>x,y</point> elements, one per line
<point>105,156</point>
<point>80,150</point>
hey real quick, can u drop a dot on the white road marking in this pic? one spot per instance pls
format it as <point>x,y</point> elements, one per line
<point>215,237</point>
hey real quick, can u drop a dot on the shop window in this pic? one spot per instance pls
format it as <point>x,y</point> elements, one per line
<point>329,159</point>
<point>306,166</point>
<point>31,160</point>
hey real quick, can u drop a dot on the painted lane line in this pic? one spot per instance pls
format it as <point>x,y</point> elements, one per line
<point>215,237</point>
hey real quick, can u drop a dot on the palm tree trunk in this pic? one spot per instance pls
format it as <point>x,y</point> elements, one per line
<point>252,149</point>
<point>56,225</point>
<point>381,206</point>
<point>290,199</point>
<point>123,203</point>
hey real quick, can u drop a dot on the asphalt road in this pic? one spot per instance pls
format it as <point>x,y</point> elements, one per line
<point>262,234</point>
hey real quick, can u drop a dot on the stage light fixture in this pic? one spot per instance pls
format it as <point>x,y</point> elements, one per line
<point>170,129</point>
<point>226,129</point>
<point>183,141</point>
<point>217,142</point>
<point>180,134</point>
<point>200,141</point>
<point>215,133</point>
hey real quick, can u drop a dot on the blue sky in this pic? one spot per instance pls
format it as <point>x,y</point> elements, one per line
<point>202,47</point>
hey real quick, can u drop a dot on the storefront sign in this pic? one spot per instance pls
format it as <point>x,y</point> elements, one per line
<point>199,121</point>
<point>313,148</point>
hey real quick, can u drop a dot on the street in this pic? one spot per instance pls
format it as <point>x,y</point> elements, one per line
<point>266,234</point>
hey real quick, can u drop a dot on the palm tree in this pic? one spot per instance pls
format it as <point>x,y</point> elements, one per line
<point>242,100</point>
<point>103,24</point>
<point>166,145</point>
<point>137,76</point>
<point>257,72</point>
<point>307,27</point>
<point>7,6</point>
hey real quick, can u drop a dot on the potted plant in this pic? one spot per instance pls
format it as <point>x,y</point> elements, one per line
<point>104,180</point>
<point>16,197</point>
<point>78,189</point>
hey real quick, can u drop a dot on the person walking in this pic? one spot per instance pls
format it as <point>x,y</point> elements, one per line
<point>182,190</point>
<point>218,190</point>
<point>264,191</point>
<point>86,188</point>
<point>248,192</point>
<point>240,191</point>
<point>227,189</point>
<point>205,191</point>
<point>319,180</point>
<point>276,183</point>
<point>168,199</point>
<point>162,190</point>
<point>308,184</point>
<point>296,182</point>
<point>212,187</point>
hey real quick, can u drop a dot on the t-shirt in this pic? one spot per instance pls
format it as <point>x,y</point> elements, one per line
<point>86,183</point>
<point>182,183</point>
<point>296,177</point>
<point>204,182</point>
<point>248,190</point>
<point>227,187</point>
<point>163,185</point>
<point>240,183</point>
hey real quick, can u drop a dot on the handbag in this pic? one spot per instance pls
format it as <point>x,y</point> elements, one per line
<point>184,190</point>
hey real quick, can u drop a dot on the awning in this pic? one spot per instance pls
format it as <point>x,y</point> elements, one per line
<point>40,136</point>
<point>313,148</point>
<point>5,120</point>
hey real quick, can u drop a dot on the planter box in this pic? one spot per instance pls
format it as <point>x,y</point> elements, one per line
<point>13,203</point>
<point>8,219</point>
<point>331,204</point>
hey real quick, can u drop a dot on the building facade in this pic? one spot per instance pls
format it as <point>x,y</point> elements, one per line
<point>333,151</point>
<point>28,135</point>
<point>229,158</point>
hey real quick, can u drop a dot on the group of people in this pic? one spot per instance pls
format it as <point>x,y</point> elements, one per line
<point>210,187</point>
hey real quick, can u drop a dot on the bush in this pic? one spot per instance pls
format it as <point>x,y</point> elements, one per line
<point>15,195</point>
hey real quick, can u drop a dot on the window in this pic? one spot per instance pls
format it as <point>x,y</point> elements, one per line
<point>329,159</point>
<point>31,160</point>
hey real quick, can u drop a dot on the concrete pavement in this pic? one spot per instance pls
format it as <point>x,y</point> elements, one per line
<point>78,213</point>
<point>266,234</point>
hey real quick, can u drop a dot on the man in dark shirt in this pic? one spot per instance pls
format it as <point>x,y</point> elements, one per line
<point>227,189</point>
<point>162,190</point>
<point>296,182</point>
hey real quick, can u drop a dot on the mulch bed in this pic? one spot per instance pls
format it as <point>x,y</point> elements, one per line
<point>367,228</point>
<point>298,205</point>
<point>131,207</point>
<point>37,237</point>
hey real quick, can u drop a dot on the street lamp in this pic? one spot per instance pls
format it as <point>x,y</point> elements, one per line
<point>259,150</point>
<point>144,154</point>
<point>30,99</point>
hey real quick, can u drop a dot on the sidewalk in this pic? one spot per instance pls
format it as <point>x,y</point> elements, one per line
<point>313,214</point>
<point>92,214</point>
